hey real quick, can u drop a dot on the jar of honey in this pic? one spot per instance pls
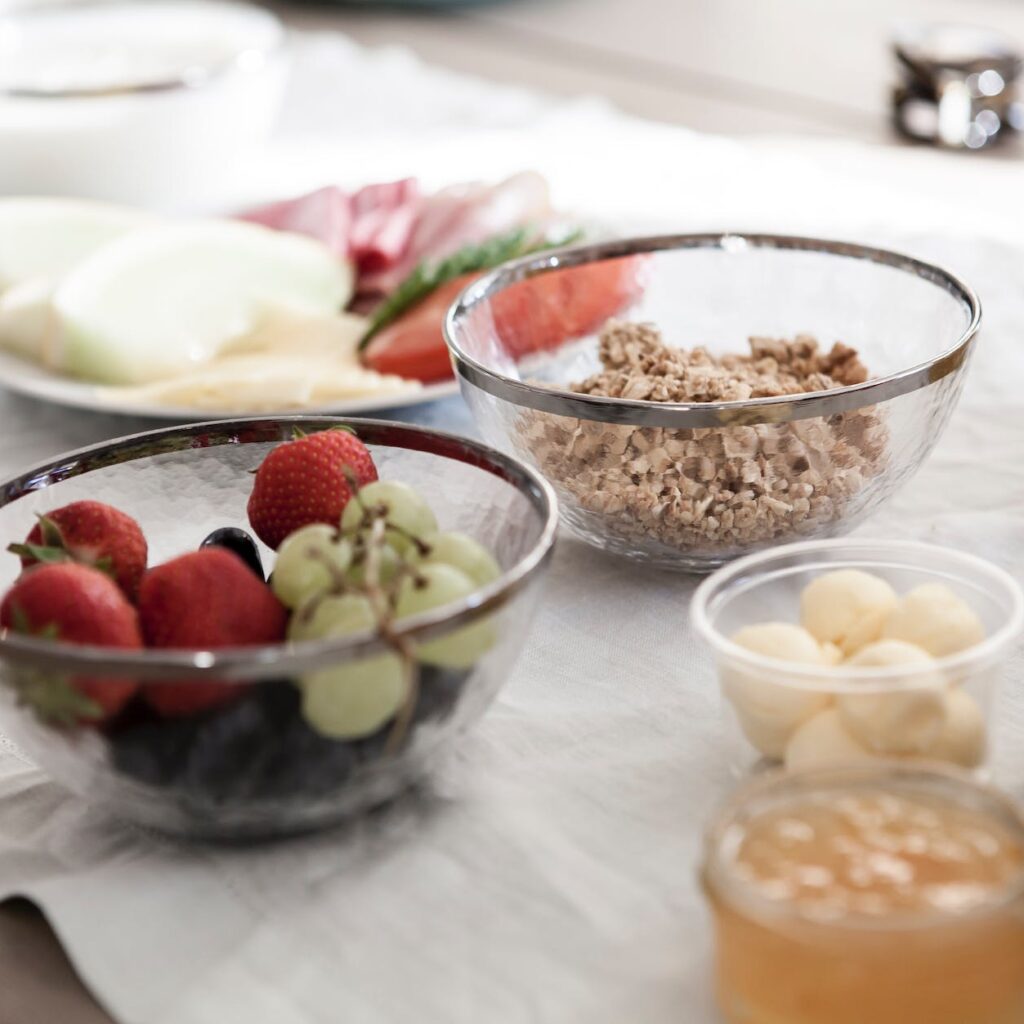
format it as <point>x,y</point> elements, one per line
<point>884,894</point>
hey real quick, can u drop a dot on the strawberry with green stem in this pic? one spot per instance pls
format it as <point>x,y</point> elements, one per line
<point>88,533</point>
<point>74,604</point>
<point>305,481</point>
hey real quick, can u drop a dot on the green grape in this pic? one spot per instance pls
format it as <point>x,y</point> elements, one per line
<point>389,562</point>
<point>351,699</point>
<point>402,506</point>
<point>463,553</point>
<point>333,615</point>
<point>309,563</point>
<point>434,585</point>
<point>430,587</point>
<point>354,699</point>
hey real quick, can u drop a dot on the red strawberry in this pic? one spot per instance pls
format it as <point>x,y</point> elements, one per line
<point>93,534</point>
<point>207,599</point>
<point>307,481</point>
<point>75,604</point>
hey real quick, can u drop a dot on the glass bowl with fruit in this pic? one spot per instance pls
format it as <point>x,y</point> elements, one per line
<point>259,627</point>
<point>842,653</point>
<point>695,398</point>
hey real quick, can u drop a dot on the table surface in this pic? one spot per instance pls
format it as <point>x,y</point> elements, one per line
<point>789,66</point>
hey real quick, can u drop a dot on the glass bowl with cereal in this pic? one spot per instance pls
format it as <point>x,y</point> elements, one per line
<point>694,398</point>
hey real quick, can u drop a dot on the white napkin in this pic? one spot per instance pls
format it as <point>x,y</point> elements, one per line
<point>547,873</point>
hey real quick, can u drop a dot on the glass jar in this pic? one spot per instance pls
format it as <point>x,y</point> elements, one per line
<point>912,912</point>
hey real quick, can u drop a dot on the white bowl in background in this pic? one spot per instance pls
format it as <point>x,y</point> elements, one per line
<point>156,102</point>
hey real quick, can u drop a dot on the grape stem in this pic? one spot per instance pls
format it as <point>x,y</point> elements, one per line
<point>374,521</point>
<point>403,648</point>
<point>338,582</point>
<point>377,513</point>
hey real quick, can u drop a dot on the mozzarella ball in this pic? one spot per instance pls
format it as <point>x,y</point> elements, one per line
<point>891,654</point>
<point>782,641</point>
<point>769,710</point>
<point>832,654</point>
<point>963,739</point>
<point>846,607</point>
<point>905,720</point>
<point>824,742</point>
<point>934,618</point>
<point>770,733</point>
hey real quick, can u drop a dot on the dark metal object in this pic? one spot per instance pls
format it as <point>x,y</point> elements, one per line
<point>958,86</point>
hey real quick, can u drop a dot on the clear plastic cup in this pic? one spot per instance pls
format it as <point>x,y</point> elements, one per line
<point>818,715</point>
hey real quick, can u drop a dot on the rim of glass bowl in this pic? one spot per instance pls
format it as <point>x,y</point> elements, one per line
<point>247,58</point>
<point>721,882</point>
<point>287,659</point>
<point>782,409</point>
<point>839,678</point>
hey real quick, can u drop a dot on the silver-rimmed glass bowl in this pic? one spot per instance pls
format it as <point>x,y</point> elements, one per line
<point>255,768</point>
<point>690,486</point>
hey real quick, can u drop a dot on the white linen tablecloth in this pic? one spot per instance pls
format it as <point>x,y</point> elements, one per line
<point>547,873</point>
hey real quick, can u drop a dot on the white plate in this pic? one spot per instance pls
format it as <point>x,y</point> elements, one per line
<point>26,378</point>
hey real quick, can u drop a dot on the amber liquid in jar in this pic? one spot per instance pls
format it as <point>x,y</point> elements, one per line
<point>869,905</point>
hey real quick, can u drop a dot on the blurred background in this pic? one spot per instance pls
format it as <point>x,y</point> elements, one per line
<point>793,66</point>
<point>909,106</point>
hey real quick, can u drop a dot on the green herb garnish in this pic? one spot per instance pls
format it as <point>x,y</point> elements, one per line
<point>427,278</point>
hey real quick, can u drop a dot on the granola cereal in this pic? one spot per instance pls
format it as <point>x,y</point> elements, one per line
<point>717,488</point>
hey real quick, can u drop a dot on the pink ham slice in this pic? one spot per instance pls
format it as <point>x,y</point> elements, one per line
<point>387,229</point>
<point>383,220</point>
<point>371,227</point>
<point>325,214</point>
<point>464,215</point>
